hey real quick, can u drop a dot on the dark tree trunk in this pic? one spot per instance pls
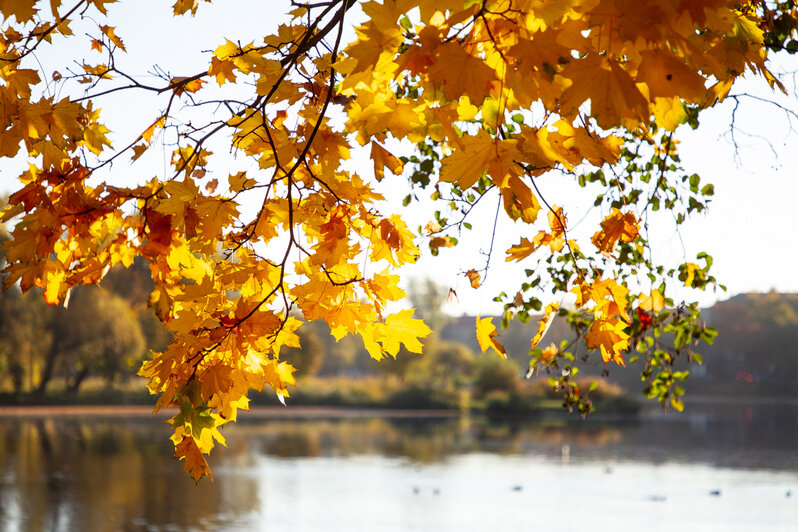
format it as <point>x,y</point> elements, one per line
<point>17,376</point>
<point>78,380</point>
<point>47,371</point>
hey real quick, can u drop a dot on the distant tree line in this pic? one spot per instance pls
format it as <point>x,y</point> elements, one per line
<point>106,331</point>
<point>755,352</point>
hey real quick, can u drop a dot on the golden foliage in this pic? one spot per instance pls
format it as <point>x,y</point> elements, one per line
<point>234,286</point>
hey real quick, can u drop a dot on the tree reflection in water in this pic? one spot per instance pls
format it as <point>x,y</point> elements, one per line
<point>79,474</point>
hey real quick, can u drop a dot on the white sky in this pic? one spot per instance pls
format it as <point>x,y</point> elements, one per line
<point>749,228</point>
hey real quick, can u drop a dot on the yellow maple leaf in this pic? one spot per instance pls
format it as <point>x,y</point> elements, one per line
<point>488,337</point>
<point>101,71</point>
<point>386,287</point>
<point>279,375</point>
<point>460,73</point>
<point>100,5</point>
<point>393,241</point>
<point>402,328</point>
<point>669,112</point>
<point>466,110</point>
<point>478,154</point>
<point>745,32</point>
<point>375,46</point>
<point>56,287</point>
<point>525,248</point>
<point>466,165</point>
<point>614,97</point>
<point>19,81</point>
<point>374,349</point>
<point>519,201</point>
<point>150,131</point>
<point>556,221</point>
<point>94,137</point>
<point>653,302</point>
<point>555,240</point>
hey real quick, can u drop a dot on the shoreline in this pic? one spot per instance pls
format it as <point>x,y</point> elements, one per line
<point>265,412</point>
<point>255,412</point>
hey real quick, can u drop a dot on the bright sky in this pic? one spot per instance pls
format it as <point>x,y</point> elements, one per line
<point>749,228</point>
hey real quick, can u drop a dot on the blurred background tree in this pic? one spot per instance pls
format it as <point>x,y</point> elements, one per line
<point>25,336</point>
<point>309,357</point>
<point>99,335</point>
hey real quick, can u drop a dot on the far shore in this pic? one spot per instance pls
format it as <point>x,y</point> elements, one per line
<point>255,412</point>
<point>260,412</point>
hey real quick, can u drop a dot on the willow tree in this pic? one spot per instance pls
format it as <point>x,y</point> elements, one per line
<point>464,98</point>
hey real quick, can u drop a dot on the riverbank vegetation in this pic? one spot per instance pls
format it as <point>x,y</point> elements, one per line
<point>107,331</point>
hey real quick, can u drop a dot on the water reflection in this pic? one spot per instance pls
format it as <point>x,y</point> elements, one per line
<point>419,439</point>
<point>78,474</point>
<point>81,473</point>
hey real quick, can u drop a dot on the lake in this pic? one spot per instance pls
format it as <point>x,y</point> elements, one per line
<point>715,467</point>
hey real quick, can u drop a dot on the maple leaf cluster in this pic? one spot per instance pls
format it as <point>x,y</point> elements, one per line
<point>495,94</point>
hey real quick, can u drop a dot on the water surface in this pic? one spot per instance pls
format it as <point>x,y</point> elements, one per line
<point>720,467</point>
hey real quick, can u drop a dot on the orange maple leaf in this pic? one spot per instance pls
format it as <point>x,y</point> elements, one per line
<point>184,84</point>
<point>23,10</point>
<point>666,75</point>
<point>110,32</point>
<point>222,70</point>
<point>473,277</point>
<point>159,233</point>
<point>196,465</point>
<point>616,226</point>
<point>610,337</point>
<point>215,380</point>
<point>610,298</point>
<point>548,353</point>
<point>438,242</point>
<point>384,159</point>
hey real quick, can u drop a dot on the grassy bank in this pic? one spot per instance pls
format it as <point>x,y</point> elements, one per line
<point>368,392</point>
